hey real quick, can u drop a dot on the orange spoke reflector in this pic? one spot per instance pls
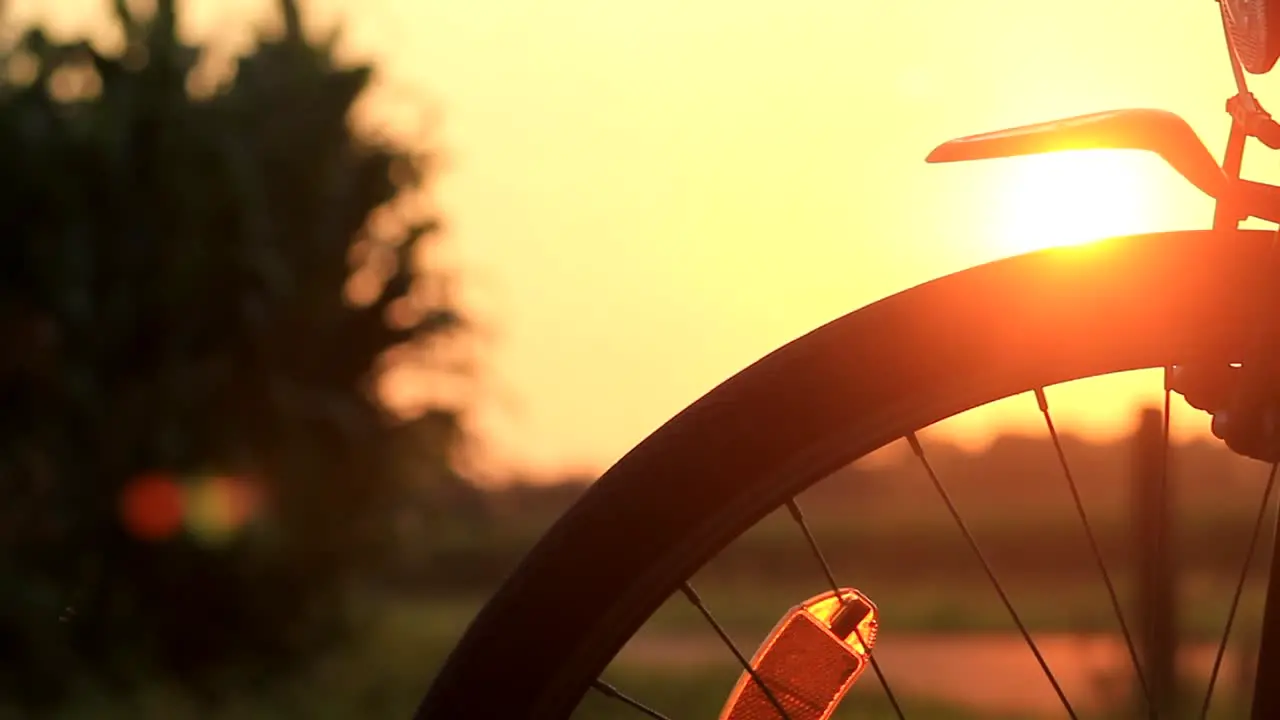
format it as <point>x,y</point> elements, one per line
<point>810,660</point>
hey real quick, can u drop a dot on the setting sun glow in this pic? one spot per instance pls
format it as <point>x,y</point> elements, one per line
<point>1067,198</point>
<point>647,197</point>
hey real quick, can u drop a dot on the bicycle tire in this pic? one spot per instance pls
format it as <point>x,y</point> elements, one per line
<point>814,405</point>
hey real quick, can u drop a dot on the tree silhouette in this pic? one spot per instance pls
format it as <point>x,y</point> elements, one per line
<point>197,286</point>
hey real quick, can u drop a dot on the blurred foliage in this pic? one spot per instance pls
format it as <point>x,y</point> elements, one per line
<point>193,281</point>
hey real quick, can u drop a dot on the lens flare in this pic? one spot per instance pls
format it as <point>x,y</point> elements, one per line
<point>218,507</point>
<point>212,509</point>
<point>151,507</point>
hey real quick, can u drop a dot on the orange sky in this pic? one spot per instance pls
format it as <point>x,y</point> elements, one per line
<point>649,196</point>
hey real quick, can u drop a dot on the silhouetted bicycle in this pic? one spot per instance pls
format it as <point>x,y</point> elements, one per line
<point>1204,305</point>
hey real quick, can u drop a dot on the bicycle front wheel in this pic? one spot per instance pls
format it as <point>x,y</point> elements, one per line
<point>817,404</point>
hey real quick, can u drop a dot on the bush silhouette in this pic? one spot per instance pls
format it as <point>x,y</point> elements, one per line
<point>177,274</point>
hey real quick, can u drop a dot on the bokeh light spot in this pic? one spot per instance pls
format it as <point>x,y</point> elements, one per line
<point>151,507</point>
<point>219,507</point>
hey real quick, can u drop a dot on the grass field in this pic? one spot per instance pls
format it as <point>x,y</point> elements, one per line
<point>882,534</point>
<point>414,636</point>
<point>384,674</point>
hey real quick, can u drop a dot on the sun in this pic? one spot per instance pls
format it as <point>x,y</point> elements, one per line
<point>1068,198</point>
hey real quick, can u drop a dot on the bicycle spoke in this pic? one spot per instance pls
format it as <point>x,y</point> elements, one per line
<point>693,597</point>
<point>1043,402</point>
<point>1235,598</point>
<point>1162,527</point>
<point>794,508</point>
<point>608,690</point>
<point>918,449</point>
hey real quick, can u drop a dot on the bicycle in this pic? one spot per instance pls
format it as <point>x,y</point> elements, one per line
<point>1199,304</point>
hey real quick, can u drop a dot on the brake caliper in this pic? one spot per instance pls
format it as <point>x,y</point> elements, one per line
<point>1249,423</point>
